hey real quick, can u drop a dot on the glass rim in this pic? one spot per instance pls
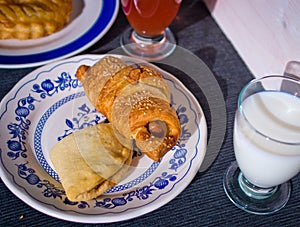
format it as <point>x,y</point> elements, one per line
<point>240,109</point>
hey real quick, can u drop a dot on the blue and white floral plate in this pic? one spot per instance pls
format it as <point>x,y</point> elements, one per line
<point>48,104</point>
<point>90,21</point>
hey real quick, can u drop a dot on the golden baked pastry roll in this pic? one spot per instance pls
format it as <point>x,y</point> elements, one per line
<point>90,161</point>
<point>136,100</point>
<point>31,19</point>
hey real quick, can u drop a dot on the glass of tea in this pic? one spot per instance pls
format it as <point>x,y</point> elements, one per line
<point>149,37</point>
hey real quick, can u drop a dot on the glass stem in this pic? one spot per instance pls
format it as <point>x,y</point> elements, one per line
<point>137,38</point>
<point>254,191</point>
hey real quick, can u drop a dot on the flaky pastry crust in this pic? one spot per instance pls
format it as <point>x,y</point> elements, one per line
<point>31,19</point>
<point>136,100</point>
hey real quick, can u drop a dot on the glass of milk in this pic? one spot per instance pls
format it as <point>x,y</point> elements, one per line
<point>266,145</point>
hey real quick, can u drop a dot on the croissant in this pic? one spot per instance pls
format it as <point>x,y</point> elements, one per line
<point>30,19</point>
<point>136,100</point>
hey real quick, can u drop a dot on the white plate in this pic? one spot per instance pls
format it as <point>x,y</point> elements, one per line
<point>90,21</point>
<point>49,103</point>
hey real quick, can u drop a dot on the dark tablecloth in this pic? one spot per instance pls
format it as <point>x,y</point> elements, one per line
<point>203,202</point>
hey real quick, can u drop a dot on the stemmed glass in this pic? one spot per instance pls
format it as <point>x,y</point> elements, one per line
<point>266,145</point>
<point>149,38</point>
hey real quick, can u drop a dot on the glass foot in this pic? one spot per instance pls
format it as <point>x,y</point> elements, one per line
<point>149,49</point>
<point>251,198</point>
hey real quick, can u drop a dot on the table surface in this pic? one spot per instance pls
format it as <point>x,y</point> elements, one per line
<point>203,202</point>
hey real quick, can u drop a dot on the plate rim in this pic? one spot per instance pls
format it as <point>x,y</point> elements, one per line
<point>69,48</point>
<point>122,216</point>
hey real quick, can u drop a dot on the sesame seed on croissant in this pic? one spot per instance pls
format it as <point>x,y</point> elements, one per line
<point>136,100</point>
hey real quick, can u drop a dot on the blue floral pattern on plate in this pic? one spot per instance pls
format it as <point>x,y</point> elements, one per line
<point>37,105</point>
